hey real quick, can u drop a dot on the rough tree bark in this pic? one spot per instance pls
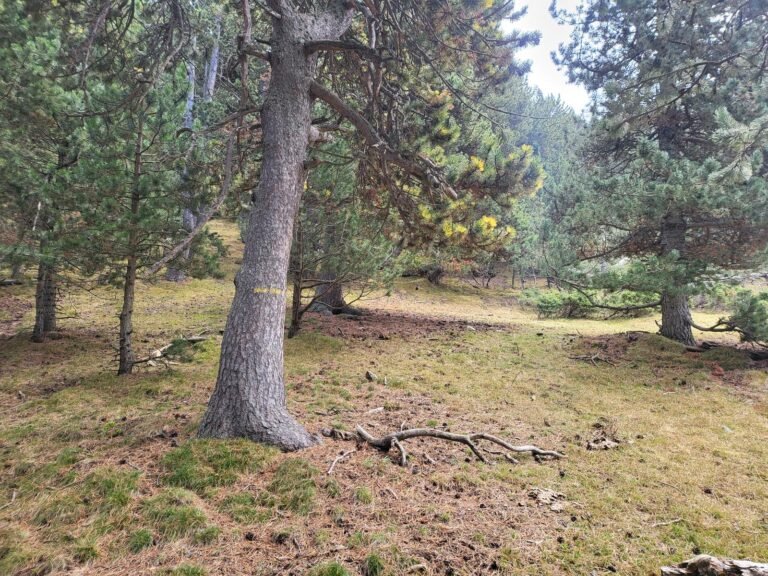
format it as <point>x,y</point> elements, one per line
<point>675,313</point>
<point>249,398</point>
<point>329,295</point>
<point>45,302</point>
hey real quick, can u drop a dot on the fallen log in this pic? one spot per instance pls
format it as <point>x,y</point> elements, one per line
<point>163,350</point>
<point>758,354</point>
<point>704,565</point>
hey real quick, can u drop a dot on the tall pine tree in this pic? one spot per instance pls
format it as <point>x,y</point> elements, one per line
<point>660,71</point>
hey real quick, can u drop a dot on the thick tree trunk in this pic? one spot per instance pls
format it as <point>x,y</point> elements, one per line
<point>676,318</point>
<point>249,398</point>
<point>675,313</point>
<point>45,302</point>
<point>329,296</point>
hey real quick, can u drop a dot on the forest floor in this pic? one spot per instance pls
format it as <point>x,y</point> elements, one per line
<point>101,475</point>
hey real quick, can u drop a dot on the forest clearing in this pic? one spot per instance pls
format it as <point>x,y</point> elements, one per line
<point>384,287</point>
<point>103,475</point>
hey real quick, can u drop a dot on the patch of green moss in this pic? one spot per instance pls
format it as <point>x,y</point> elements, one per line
<point>329,569</point>
<point>206,535</point>
<point>201,464</point>
<point>173,513</point>
<point>727,358</point>
<point>140,539</point>
<point>244,508</point>
<point>373,565</point>
<point>293,487</point>
<point>186,570</point>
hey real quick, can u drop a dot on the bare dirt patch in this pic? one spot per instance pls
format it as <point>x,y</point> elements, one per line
<point>386,325</point>
<point>12,312</point>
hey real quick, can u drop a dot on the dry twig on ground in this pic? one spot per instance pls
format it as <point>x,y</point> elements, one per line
<point>339,458</point>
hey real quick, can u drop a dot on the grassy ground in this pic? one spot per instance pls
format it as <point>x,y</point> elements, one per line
<point>101,475</point>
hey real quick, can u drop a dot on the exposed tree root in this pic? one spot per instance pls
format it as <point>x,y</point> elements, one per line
<point>395,439</point>
<point>709,566</point>
<point>757,353</point>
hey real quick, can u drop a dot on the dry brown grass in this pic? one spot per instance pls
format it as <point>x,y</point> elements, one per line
<point>87,454</point>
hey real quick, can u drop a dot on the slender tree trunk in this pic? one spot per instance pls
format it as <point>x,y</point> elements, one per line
<point>175,272</point>
<point>329,294</point>
<point>45,302</point>
<point>297,273</point>
<point>17,271</point>
<point>127,358</point>
<point>249,398</point>
<point>17,264</point>
<point>675,313</point>
<point>212,66</point>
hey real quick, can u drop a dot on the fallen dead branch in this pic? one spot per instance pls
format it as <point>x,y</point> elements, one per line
<point>339,458</point>
<point>395,439</point>
<point>667,523</point>
<point>13,499</point>
<point>163,350</point>
<point>592,358</point>
<point>704,565</point>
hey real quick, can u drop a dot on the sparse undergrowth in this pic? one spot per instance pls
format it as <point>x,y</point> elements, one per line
<point>202,464</point>
<point>102,475</point>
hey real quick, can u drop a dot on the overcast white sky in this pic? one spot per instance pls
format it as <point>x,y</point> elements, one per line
<point>544,73</point>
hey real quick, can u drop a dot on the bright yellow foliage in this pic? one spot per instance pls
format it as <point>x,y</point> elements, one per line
<point>477,163</point>
<point>451,229</point>
<point>486,224</point>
